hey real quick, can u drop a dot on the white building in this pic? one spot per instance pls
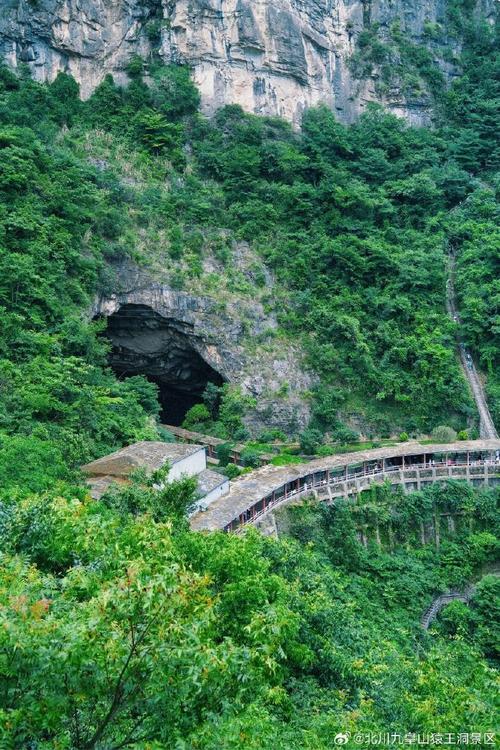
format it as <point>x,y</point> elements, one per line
<point>185,460</point>
<point>211,486</point>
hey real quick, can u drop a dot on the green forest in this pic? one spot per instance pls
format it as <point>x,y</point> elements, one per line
<point>120,628</point>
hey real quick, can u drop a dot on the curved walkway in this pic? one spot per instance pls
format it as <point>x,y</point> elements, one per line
<point>450,596</point>
<point>411,465</point>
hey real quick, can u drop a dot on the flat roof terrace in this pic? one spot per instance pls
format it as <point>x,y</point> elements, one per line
<point>149,455</point>
<point>249,490</point>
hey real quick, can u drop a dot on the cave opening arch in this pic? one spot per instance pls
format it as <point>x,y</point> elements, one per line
<point>166,351</point>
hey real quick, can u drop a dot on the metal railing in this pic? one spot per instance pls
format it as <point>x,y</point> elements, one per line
<point>377,472</point>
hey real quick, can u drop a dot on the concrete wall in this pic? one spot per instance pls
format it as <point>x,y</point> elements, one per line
<point>216,493</point>
<point>189,466</point>
<point>210,497</point>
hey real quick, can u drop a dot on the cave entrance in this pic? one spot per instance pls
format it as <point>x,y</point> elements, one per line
<point>164,350</point>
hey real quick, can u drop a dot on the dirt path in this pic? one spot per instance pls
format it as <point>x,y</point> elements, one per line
<point>486,425</point>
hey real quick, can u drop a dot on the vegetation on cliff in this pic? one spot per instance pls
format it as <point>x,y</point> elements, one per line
<point>355,222</point>
<point>120,628</point>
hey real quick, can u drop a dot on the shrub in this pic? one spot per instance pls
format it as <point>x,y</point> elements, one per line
<point>173,92</point>
<point>135,67</point>
<point>403,437</point>
<point>233,405</point>
<point>197,416</point>
<point>223,452</point>
<point>231,471</point>
<point>268,436</point>
<point>211,398</point>
<point>456,619</point>
<point>325,450</point>
<point>250,457</point>
<point>443,434</point>
<point>343,435</point>
<point>310,440</point>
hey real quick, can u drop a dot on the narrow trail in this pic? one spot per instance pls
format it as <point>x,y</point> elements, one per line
<point>486,425</point>
<point>450,596</point>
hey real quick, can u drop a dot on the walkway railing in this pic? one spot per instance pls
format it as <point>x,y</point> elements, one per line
<point>466,470</point>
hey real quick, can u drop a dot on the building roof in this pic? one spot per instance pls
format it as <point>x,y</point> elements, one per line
<point>213,442</point>
<point>209,480</point>
<point>99,485</point>
<point>149,455</point>
<point>184,434</point>
<point>250,488</point>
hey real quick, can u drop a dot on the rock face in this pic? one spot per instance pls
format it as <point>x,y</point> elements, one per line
<point>274,57</point>
<point>182,342</point>
<point>87,38</point>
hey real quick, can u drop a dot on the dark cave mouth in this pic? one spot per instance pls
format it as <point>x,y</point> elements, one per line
<point>174,403</point>
<point>164,351</point>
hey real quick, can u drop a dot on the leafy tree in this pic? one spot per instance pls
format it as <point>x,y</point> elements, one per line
<point>233,405</point>
<point>211,399</point>
<point>173,93</point>
<point>310,440</point>
<point>157,134</point>
<point>224,451</point>
<point>197,418</point>
<point>443,434</point>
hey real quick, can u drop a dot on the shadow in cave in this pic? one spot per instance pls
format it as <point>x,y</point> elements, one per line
<point>164,350</point>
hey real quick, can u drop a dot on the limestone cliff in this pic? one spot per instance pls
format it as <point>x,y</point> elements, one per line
<point>273,57</point>
<point>183,339</point>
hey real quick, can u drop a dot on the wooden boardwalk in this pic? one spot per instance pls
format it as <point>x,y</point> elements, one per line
<point>212,443</point>
<point>411,465</point>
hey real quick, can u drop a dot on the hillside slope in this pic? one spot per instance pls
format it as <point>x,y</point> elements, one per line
<point>306,270</point>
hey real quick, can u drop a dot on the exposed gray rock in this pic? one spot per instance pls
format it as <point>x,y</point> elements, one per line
<point>274,57</point>
<point>286,38</point>
<point>248,30</point>
<point>182,341</point>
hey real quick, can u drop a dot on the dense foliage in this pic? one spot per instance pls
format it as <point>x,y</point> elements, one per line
<point>119,628</point>
<point>58,405</point>
<point>356,223</point>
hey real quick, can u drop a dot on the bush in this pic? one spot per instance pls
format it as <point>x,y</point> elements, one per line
<point>403,437</point>
<point>197,417</point>
<point>135,67</point>
<point>158,135</point>
<point>173,92</point>
<point>223,452</point>
<point>325,450</point>
<point>233,405</point>
<point>443,434</point>
<point>345,435</point>
<point>310,440</point>
<point>463,435</point>
<point>456,619</point>
<point>211,398</point>
<point>163,500</point>
<point>269,436</point>
<point>250,458</point>
<point>231,471</point>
